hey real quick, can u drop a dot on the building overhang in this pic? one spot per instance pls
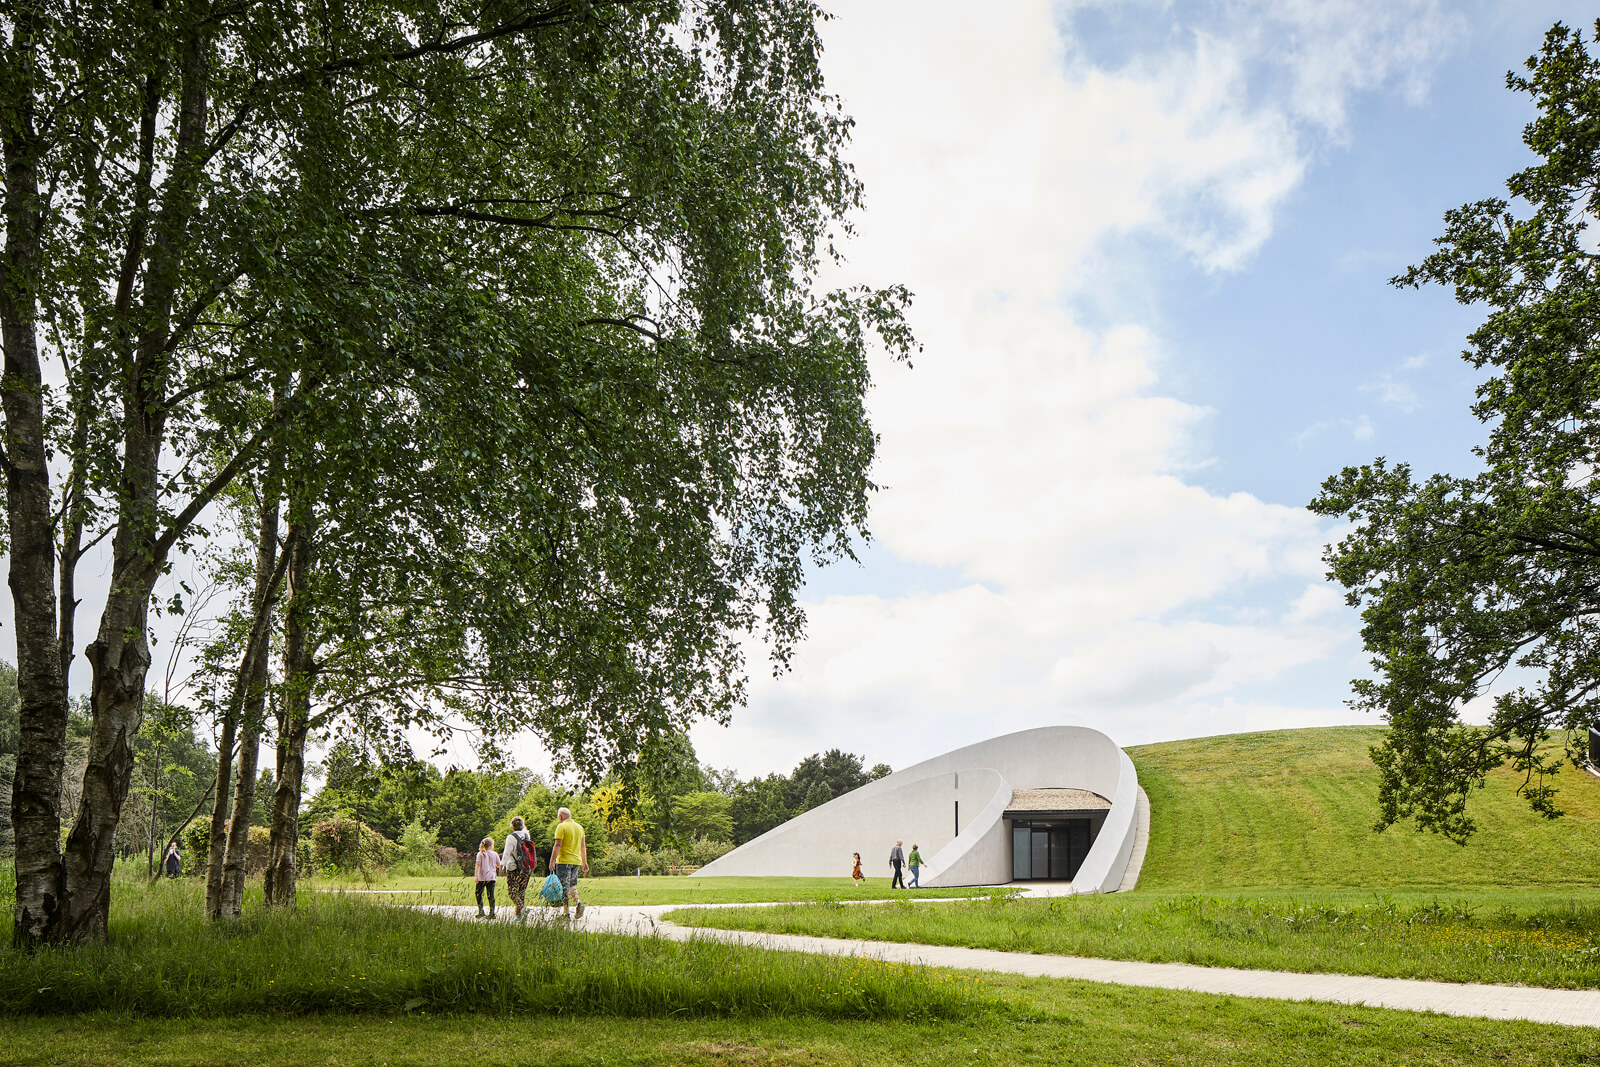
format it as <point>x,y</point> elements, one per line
<point>1030,814</point>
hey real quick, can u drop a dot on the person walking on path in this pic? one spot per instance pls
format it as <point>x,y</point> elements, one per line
<point>855,874</point>
<point>897,860</point>
<point>173,862</point>
<point>914,861</point>
<point>521,859</point>
<point>569,853</point>
<point>488,866</point>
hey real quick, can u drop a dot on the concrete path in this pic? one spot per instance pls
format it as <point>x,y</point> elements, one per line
<point>1565,1007</point>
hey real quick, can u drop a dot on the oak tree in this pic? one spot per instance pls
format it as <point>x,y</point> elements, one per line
<point>1464,580</point>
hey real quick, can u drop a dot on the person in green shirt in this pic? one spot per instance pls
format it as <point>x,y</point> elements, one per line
<point>568,854</point>
<point>914,861</point>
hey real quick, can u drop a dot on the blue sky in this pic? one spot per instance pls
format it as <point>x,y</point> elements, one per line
<point>1150,243</point>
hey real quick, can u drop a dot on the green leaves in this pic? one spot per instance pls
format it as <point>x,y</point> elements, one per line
<point>1469,581</point>
<point>520,299</point>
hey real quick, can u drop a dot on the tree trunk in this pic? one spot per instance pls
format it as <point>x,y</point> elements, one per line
<point>120,655</point>
<point>294,717</point>
<point>230,902</point>
<point>281,860</point>
<point>155,813</point>
<point>120,658</point>
<point>36,789</point>
<point>84,401</point>
<point>217,840</point>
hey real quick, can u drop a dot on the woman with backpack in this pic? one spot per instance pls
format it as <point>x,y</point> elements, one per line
<point>521,857</point>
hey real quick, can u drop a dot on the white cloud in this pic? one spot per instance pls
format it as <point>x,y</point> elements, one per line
<point>1416,362</point>
<point>1393,394</point>
<point>1316,602</point>
<point>1360,428</point>
<point>1032,454</point>
<point>1309,56</point>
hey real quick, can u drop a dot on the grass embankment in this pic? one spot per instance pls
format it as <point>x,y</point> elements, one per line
<point>1295,808</point>
<point>652,889</point>
<point>1277,828</point>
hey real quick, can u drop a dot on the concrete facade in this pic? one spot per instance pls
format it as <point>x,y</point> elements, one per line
<point>953,807</point>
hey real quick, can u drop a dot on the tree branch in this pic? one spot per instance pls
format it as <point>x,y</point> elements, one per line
<point>541,222</point>
<point>223,477</point>
<point>558,15</point>
<point>606,320</point>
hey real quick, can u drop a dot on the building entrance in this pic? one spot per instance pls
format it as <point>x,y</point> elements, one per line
<point>1048,848</point>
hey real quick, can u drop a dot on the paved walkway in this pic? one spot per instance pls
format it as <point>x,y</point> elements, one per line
<point>1565,1007</point>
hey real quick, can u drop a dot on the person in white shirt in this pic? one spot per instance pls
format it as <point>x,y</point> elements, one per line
<point>521,860</point>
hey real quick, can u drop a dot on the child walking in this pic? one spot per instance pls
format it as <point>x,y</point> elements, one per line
<point>488,866</point>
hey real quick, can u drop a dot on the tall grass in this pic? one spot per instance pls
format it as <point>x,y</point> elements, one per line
<point>340,955</point>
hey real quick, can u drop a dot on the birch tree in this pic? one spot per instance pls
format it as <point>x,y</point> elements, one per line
<point>619,207</point>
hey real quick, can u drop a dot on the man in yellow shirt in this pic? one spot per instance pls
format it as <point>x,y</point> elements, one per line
<point>569,854</point>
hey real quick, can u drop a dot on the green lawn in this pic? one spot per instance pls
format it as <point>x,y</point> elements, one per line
<point>346,982</point>
<point>1262,855</point>
<point>653,889</point>
<point>1546,939</point>
<point>1032,1020</point>
<point>1293,808</point>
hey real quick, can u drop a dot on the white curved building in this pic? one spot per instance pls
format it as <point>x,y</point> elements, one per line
<point>1059,803</point>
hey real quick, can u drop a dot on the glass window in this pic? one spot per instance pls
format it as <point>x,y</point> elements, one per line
<point>1020,853</point>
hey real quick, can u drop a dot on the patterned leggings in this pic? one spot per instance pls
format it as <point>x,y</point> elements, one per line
<point>517,885</point>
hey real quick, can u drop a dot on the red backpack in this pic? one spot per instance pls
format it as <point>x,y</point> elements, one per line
<point>527,853</point>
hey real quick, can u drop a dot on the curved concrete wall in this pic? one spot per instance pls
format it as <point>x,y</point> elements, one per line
<point>920,805</point>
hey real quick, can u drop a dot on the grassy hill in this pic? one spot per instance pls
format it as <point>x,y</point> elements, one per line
<point>1294,809</point>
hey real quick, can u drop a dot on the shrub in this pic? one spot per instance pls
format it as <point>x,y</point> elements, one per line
<point>419,852</point>
<point>702,851</point>
<point>345,844</point>
<point>451,857</point>
<point>195,844</point>
<point>625,859</point>
<point>255,856</point>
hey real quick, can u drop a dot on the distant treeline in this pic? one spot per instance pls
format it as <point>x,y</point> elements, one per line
<point>673,809</point>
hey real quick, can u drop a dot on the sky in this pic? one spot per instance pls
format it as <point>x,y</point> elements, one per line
<point>1150,246</point>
